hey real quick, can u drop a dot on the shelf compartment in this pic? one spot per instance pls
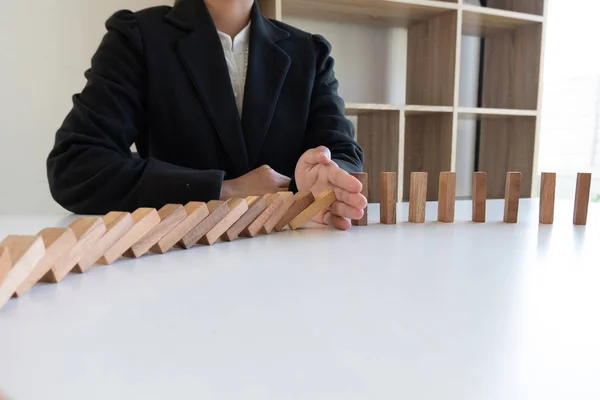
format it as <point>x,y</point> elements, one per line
<point>484,21</point>
<point>379,133</point>
<point>507,144</point>
<point>379,12</point>
<point>535,7</point>
<point>469,112</point>
<point>427,148</point>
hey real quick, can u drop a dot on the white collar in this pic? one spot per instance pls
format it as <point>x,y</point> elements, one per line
<point>239,43</point>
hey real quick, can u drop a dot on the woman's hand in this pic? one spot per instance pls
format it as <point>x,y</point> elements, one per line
<point>261,181</point>
<point>316,172</point>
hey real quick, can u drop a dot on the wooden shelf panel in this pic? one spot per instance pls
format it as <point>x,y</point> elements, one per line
<point>354,109</point>
<point>410,110</point>
<point>494,112</point>
<point>378,12</point>
<point>483,21</point>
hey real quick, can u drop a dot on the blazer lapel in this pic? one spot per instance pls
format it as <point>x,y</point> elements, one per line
<point>268,66</point>
<point>202,54</point>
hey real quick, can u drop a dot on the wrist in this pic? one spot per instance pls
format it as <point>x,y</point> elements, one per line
<point>227,190</point>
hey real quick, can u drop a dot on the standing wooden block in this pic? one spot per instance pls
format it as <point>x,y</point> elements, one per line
<point>117,224</point>
<point>301,201</point>
<point>26,252</point>
<point>237,208</point>
<point>195,212</point>
<point>288,202</point>
<point>447,197</point>
<point>59,244</point>
<point>274,202</point>
<point>364,180</point>
<point>388,197</point>
<point>582,198</point>
<point>256,205</point>
<point>322,202</point>
<point>217,210</point>
<point>144,219</point>
<point>88,232</point>
<point>479,196</point>
<point>547,197</point>
<point>417,197</point>
<point>511,197</point>
<point>170,216</point>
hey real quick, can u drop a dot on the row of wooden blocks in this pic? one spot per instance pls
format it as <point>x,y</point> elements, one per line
<point>53,253</point>
<point>447,197</point>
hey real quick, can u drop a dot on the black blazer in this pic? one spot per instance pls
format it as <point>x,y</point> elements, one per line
<point>159,80</point>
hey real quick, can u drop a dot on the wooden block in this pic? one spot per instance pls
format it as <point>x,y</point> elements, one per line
<point>479,196</point>
<point>5,263</point>
<point>417,197</point>
<point>447,197</point>
<point>217,210</point>
<point>144,219</point>
<point>511,197</point>
<point>274,201</point>
<point>582,198</point>
<point>301,202</point>
<point>237,208</point>
<point>59,244</point>
<point>117,224</point>
<point>322,202</point>
<point>288,202</point>
<point>547,197</point>
<point>364,179</point>
<point>26,252</point>
<point>170,216</point>
<point>88,232</point>
<point>195,212</point>
<point>388,197</point>
<point>256,205</point>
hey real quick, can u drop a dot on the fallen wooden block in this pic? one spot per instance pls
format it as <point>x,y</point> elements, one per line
<point>582,198</point>
<point>217,211</point>
<point>322,202</point>
<point>144,219</point>
<point>5,263</point>
<point>170,216</point>
<point>388,197</point>
<point>256,205</point>
<point>237,208</point>
<point>88,232</point>
<point>447,197</point>
<point>288,202</point>
<point>58,260</point>
<point>25,252</point>
<point>117,224</point>
<point>479,196</point>
<point>511,197</point>
<point>364,179</point>
<point>195,212</point>
<point>301,201</point>
<point>417,197</point>
<point>547,198</point>
<point>274,201</point>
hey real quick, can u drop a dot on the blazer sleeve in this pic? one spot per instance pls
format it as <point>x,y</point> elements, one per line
<point>91,169</point>
<point>327,123</point>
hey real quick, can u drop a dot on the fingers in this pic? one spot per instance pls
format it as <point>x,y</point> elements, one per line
<point>336,221</point>
<point>319,155</point>
<point>342,179</point>
<point>356,200</point>
<point>346,211</point>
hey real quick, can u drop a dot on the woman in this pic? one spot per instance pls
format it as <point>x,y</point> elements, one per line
<point>219,101</point>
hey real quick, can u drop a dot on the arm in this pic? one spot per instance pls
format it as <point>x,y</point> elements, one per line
<point>91,169</point>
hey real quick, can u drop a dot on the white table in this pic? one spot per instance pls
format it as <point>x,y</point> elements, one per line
<point>417,312</point>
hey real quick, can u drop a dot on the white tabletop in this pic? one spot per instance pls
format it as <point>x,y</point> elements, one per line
<point>425,312</point>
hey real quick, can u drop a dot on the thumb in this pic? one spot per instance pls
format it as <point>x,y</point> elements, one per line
<point>319,155</point>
